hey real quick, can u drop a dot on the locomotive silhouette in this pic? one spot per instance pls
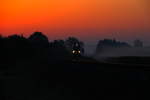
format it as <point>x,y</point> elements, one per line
<point>77,50</point>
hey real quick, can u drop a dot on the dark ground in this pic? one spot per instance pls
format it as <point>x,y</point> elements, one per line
<point>74,80</point>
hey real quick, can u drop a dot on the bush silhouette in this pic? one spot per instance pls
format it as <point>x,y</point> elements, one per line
<point>110,43</point>
<point>39,39</point>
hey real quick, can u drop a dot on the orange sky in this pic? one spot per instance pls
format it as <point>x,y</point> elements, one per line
<point>86,19</point>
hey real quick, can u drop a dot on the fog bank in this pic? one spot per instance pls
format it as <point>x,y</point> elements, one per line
<point>122,52</point>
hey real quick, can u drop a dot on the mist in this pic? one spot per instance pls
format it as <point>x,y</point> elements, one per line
<point>122,52</point>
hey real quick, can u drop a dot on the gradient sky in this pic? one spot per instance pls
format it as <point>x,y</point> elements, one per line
<point>87,19</point>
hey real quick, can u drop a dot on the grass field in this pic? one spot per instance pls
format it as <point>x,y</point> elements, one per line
<point>76,79</point>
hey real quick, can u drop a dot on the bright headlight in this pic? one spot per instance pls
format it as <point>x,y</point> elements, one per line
<point>73,51</point>
<point>79,51</point>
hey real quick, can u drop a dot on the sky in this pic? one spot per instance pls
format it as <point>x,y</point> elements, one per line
<point>89,20</point>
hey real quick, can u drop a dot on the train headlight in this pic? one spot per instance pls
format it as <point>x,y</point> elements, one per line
<point>79,51</point>
<point>73,51</point>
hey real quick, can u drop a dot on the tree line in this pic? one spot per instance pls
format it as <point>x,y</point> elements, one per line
<point>36,47</point>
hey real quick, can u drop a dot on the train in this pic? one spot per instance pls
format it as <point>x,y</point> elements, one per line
<point>77,50</point>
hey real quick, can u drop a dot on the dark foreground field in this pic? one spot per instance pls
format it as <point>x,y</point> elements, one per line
<point>74,80</point>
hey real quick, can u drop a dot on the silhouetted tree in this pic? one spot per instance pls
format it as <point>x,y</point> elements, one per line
<point>39,39</point>
<point>37,48</point>
<point>58,49</point>
<point>109,43</point>
<point>2,49</point>
<point>1,41</point>
<point>58,44</point>
<point>17,47</point>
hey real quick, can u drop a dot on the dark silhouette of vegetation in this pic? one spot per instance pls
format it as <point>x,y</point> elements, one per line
<point>17,48</point>
<point>110,43</point>
<point>59,50</point>
<point>39,39</point>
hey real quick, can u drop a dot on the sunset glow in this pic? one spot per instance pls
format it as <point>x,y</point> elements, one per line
<point>87,19</point>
